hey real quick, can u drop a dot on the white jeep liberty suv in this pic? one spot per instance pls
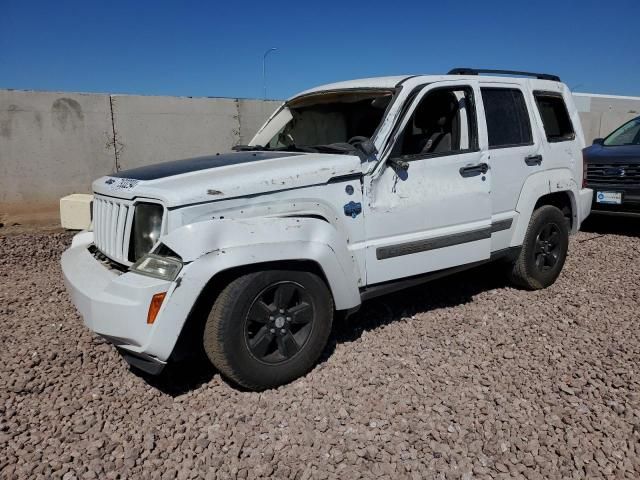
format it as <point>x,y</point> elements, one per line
<point>348,191</point>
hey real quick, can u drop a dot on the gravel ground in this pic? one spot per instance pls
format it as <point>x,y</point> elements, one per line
<point>463,378</point>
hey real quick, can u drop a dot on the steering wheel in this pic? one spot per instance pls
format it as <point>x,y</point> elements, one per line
<point>357,139</point>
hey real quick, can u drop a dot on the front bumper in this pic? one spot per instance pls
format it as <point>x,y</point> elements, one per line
<point>630,205</point>
<point>115,305</point>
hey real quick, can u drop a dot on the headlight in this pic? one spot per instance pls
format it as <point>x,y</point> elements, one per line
<point>156,266</point>
<point>145,231</point>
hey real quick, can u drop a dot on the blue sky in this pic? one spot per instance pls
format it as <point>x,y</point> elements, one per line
<point>211,48</point>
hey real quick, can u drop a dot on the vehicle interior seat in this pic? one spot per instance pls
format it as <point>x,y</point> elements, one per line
<point>436,117</point>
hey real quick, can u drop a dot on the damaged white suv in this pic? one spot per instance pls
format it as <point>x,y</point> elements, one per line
<point>349,191</point>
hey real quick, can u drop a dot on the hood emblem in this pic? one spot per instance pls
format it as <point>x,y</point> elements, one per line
<point>121,183</point>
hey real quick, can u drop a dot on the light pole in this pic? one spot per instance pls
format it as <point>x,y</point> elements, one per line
<point>264,70</point>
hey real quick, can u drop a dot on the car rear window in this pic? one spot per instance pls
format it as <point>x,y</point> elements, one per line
<point>555,117</point>
<point>508,122</point>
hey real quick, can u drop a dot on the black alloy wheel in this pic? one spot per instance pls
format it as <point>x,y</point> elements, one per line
<point>543,250</point>
<point>269,327</point>
<point>279,322</point>
<point>548,248</point>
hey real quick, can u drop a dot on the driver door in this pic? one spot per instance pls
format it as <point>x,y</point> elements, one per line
<point>435,213</point>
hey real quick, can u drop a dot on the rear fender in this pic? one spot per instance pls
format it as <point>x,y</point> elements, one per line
<point>535,187</point>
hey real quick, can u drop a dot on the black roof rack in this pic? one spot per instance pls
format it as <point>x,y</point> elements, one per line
<point>477,71</point>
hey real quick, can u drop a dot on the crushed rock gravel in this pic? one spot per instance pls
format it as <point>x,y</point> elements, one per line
<point>462,378</point>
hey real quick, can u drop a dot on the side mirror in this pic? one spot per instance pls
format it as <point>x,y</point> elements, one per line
<point>598,141</point>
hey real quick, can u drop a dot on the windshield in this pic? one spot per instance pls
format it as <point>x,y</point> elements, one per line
<point>627,134</point>
<point>337,118</point>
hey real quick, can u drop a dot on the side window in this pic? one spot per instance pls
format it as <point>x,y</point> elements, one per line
<point>443,123</point>
<point>508,122</point>
<point>555,117</point>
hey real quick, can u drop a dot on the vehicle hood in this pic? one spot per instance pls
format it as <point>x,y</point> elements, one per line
<point>622,154</point>
<point>225,176</point>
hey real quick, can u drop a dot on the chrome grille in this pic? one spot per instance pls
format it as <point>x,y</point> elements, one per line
<point>613,173</point>
<point>112,226</point>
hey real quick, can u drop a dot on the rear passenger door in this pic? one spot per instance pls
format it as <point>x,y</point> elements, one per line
<point>515,152</point>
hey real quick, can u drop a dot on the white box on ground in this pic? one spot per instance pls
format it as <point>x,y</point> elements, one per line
<point>75,211</point>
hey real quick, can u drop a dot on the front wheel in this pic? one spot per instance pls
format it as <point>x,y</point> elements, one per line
<point>544,250</point>
<point>268,328</point>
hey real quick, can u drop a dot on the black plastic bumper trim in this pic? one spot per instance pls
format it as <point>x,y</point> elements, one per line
<point>147,364</point>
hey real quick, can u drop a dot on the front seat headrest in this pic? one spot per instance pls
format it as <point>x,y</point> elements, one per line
<point>434,111</point>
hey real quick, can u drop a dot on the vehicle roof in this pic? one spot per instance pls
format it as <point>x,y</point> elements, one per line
<point>393,81</point>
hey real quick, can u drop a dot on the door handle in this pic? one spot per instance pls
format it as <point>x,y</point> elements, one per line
<point>473,170</point>
<point>532,160</point>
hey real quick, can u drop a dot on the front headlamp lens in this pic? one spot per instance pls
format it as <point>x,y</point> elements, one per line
<point>146,229</point>
<point>156,266</point>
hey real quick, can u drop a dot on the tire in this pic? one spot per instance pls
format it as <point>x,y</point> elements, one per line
<point>268,328</point>
<point>544,250</point>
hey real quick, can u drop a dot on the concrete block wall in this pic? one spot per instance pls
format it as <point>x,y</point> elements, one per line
<point>53,144</point>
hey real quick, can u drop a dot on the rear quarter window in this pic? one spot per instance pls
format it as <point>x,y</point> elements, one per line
<point>555,117</point>
<point>508,123</point>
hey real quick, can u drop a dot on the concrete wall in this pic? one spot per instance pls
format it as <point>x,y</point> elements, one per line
<point>53,144</point>
<point>601,114</point>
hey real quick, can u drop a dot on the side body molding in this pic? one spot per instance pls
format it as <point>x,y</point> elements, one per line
<point>213,246</point>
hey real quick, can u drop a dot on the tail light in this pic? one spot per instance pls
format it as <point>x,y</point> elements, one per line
<point>584,170</point>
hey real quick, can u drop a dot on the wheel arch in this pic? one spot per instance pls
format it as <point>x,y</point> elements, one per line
<point>553,187</point>
<point>193,327</point>
<point>564,201</point>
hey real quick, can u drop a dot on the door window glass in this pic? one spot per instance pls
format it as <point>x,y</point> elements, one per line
<point>443,123</point>
<point>508,122</point>
<point>555,117</point>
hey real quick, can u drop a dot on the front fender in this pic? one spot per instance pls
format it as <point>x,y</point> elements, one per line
<point>217,245</point>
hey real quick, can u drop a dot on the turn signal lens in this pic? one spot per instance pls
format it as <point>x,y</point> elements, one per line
<point>154,307</point>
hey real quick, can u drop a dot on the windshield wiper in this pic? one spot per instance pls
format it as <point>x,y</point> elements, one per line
<point>336,148</point>
<point>297,148</point>
<point>362,149</point>
<point>249,148</point>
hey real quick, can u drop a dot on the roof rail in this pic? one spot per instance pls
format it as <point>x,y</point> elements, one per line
<point>477,71</point>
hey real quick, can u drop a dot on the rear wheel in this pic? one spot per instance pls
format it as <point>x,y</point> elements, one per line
<point>268,328</point>
<point>544,250</point>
